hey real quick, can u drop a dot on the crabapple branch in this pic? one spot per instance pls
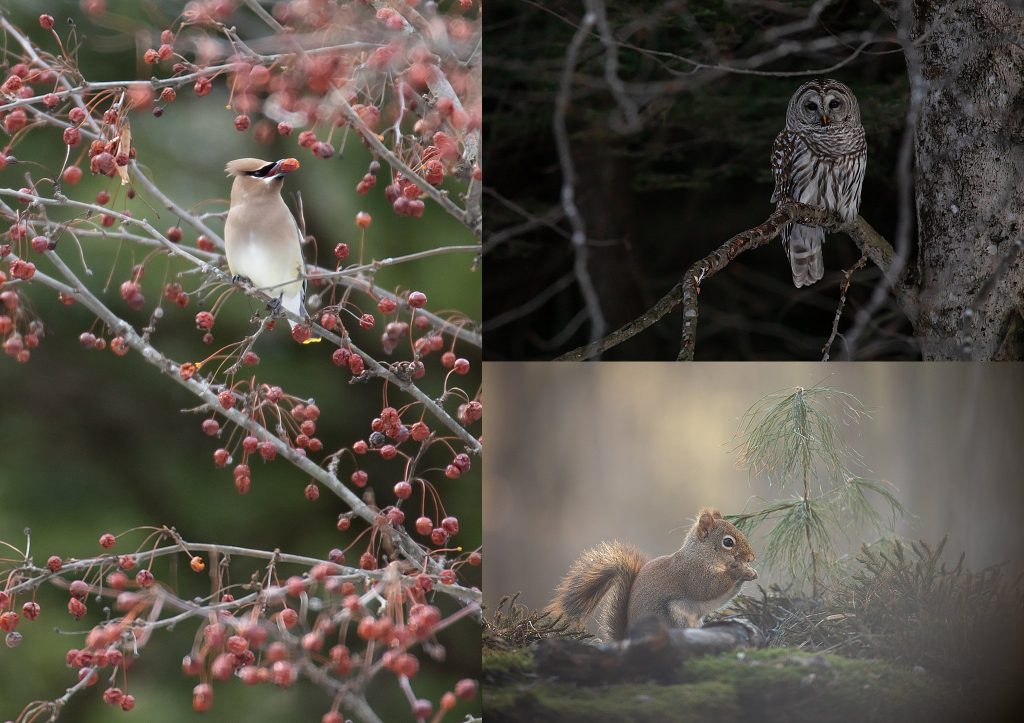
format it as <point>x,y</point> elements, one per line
<point>333,585</point>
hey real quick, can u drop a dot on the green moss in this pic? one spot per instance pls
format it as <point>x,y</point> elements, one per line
<point>782,684</point>
<point>503,664</point>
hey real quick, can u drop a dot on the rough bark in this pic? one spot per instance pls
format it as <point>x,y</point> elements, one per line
<point>969,178</point>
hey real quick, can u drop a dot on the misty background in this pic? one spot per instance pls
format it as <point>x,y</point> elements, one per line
<point>585,453</point>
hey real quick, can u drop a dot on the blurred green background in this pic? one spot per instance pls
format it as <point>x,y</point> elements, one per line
<point>91,443</point>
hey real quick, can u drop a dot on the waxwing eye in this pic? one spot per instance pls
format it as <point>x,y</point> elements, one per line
<point>833,104</point>
<point>262,172</point>
<point>728,542</point>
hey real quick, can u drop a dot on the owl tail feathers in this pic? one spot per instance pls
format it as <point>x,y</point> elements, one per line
<point>804,249</point>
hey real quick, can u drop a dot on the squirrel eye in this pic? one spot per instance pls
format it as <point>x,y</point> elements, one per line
<point>728,542</point>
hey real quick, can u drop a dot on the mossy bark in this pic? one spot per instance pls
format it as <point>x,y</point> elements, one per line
<point>764,685</point>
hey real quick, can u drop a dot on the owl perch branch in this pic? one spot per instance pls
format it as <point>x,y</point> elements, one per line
<point>685,292</point>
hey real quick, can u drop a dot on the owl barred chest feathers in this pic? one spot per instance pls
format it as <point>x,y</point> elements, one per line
<point>819,159</point>
<point>829,172</point>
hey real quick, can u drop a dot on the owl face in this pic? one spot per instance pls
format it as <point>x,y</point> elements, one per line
<point>822,104</point>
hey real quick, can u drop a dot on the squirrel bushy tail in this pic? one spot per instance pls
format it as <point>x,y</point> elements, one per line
<point>608,569</point>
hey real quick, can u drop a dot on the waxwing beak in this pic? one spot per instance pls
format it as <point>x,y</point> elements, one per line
<point>824,122</point>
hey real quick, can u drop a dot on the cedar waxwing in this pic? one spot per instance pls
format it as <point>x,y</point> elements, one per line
<point>261,238</point>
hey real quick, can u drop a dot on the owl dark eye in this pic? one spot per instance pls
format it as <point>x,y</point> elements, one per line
<point>833,104</point>
<point>728,542</point>
<point>811,106</point>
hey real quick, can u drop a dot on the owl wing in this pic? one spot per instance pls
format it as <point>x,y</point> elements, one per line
<point>784,150</point>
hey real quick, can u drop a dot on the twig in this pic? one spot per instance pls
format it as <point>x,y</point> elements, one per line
<point>591,300</point>
<point>843,288</point>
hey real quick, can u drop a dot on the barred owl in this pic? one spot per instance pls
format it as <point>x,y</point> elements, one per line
<point>818,159</point>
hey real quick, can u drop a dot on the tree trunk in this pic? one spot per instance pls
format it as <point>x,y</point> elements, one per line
<point>969,179</point>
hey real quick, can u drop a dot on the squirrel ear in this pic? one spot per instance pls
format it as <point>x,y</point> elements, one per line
<point>706,521</point>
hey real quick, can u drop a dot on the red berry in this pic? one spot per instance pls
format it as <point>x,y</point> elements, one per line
<point>72,175</point>
<point>241,122</point>
<point>284,129</point>
<point>422,708</point>
<point>268,451</point>
<point>30,610</point>
<point>450,525</point>
<point>107,541</point>
<point>8,621</point>
<point>465,689</point>
<point>387,305</point>
<point>403,490</point>
<point>424,525</point>
<point>312,492</point>
<point>341,356</point>
<point>72,136</point>
<point>211,427</point>
<point>174,234</point>
<point>204,320</point>
<point>363,219</point>
<point>419,431</point>
<point>46,22</point>
<point>76,608</point>
<point>341,252</point>
<point>54,563</point>
<point>417,299</point>
<point>202,697</point>
<point>322,149</point>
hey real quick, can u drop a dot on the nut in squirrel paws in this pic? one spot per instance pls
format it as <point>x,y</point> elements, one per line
<point>741,571</point>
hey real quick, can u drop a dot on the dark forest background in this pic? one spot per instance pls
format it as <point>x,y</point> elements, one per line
<point>695,173</point>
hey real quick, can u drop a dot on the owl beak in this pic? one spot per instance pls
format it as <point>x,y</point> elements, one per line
<point>824,120</point>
